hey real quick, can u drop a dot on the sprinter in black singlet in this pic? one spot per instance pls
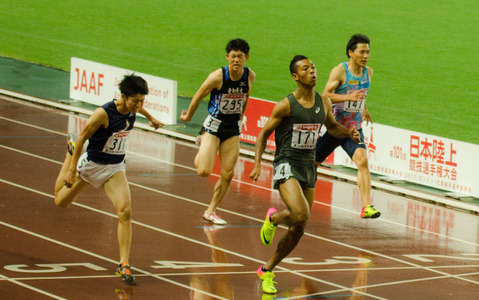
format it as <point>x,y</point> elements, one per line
<point>296,121</point>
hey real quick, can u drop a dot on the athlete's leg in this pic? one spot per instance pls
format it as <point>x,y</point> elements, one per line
<point>325,146</point>
<point>59,183</point>
<point>64,196</point>
<point>206,157</point>
<point>284,216</point>
<point>299,204</point>
<point>118,191</point>
<point>360,158</point>
<point>228,152</point>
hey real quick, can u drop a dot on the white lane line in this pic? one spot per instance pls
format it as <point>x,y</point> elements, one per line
<point>235,253</point>
<point>31,154</point>
<point>254,273</point>
<point>104,258</point>
<point>164,232</point>
<point>31,126</point>
<point>317,237</point>
<point>17,282</point>
<point>258,220</point>
<point>389,283</point>
<point>314,236</point>
<point>234,180</point>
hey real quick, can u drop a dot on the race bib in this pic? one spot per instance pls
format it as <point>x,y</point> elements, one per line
<point>211,123</point>
<point>231,103</point>
<point>282,171</point>
<point>116,144</point>
<point>354,106</point>
<point>305,136</point>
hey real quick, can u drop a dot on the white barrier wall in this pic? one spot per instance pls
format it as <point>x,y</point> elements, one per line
<point>421,158</point>
<point>97,83</point>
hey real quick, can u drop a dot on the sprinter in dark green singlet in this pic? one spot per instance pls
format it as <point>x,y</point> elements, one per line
<point>296,121</point>
<point>295,138</point>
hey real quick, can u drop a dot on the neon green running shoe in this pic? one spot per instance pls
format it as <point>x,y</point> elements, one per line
<point>267,282</point>
<point>268,228</point>
<point>369,212</point>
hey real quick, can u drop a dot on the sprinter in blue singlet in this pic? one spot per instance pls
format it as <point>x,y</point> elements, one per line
<point>347,87</point>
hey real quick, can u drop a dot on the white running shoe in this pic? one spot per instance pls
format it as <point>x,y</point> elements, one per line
<point>213,218</point>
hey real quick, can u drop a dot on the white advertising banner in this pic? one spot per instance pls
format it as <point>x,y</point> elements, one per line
<point>97,83</point>
<point>421,158</point>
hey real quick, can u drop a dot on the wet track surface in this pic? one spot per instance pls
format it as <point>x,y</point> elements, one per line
<point>415,250</point>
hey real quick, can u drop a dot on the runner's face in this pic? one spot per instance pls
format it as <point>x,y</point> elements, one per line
<point>360,55</point>
<point>236,59</point>
<point>135,103</point>
<point>306,72</point>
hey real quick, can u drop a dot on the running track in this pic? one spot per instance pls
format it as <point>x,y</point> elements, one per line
<point>414,251</point>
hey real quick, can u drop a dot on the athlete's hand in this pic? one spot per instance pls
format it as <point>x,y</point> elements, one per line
<point>359,95</point>
<point>69,178</point>
<point>184,116</point>
<point>155,123</point>
<point>255,173</point>
<point>367,117</point>
<point>354,134</point>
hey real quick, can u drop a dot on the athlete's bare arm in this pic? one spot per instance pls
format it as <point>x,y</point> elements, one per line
<point>334,128</point>
<point>213,81</point>
<point>153,121</point>
<point>98,119</point>
<point>366,116</point>
<point>280,111</point>
<point>337,78</point>
<point>251,78</point>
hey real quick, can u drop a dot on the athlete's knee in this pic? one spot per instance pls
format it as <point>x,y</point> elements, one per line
<point>203,167</point>
<point>60,203</point>
<point>203,172</point>
<point>63,201</point>
<point>299,219</point>
<point>297,230</point>
<point>227,175</point>
<point>124,214</point>
<point>362,162</point>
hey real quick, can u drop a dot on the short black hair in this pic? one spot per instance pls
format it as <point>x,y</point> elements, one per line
<point>132,84</point>
<point>355,40</point>
<point>293,68</point>
<point>238,45</point>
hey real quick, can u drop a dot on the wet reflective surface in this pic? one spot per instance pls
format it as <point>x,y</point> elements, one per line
<point>415,250</point>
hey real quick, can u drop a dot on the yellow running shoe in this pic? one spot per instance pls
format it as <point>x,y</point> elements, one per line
<point>369,212</point>
<point>267,282</point>
<point>268,228</point>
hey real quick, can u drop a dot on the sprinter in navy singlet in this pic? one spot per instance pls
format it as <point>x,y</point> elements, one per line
<point>229,89</point>
<point>103,164</point>
<point>227,105</point>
